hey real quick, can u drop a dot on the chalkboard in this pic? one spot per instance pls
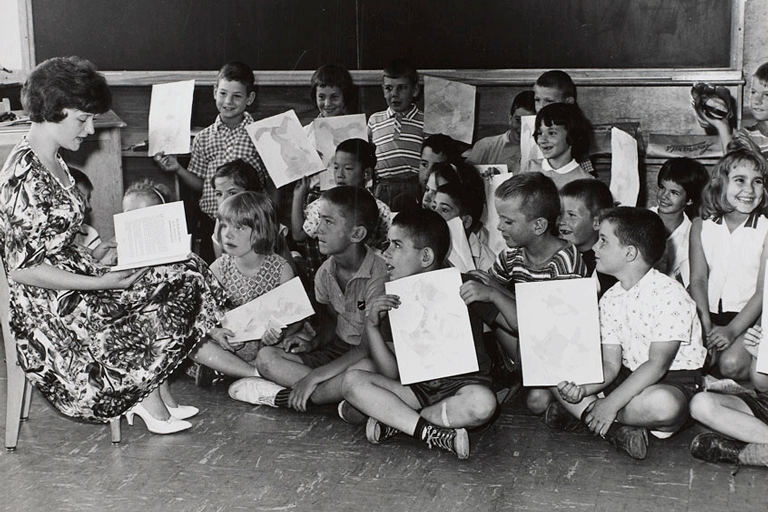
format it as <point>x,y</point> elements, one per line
<point>177,35</point>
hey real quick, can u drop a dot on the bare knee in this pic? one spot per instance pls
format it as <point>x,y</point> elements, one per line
<point>733,366</point>
<point>703,407</point>
<point>266,358</point>
<point>352,382</point>
<point>481,404</point>
<point>538,400</point>
<point>657,408</point>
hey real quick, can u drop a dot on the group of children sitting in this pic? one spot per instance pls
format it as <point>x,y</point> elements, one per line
<point>680,285</point>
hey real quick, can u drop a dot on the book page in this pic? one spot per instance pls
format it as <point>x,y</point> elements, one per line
<point>151,236</point>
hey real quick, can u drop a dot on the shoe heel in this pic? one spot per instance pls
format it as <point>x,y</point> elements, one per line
<point>129,417</point>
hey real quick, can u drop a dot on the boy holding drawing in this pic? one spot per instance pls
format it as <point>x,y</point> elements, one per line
<point>436,411</point>
<point>304,368</point>
<point>651,342</point>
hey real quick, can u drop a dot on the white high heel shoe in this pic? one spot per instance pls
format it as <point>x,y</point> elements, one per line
<point>154,425</point>
<point>182,412</point>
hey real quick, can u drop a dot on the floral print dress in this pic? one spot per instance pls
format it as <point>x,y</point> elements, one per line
<point>92,354</point>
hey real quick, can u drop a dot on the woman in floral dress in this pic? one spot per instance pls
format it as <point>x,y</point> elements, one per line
<point>96,343</point>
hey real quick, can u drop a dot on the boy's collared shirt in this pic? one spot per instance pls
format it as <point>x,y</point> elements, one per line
<point>365,285</point>
<point>219,144</point>
<point>569,172</point>
<point>657,308</point>
<point>398,139</point>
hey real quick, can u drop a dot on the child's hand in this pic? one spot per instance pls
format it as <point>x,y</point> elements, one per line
<point>168,163</point>
<point>474,291</point>
<point>298,343</point>
<point>600,416</point>
<point>752,339</point>
<point>106,252</point>
<point>301,189</point>
<point>273,337</point>
<point>221,336</point>
<point>571,392</point>
<point>301,392</point>
<point>378,306</point>
<point>719,338</point>
<point>741,138</point>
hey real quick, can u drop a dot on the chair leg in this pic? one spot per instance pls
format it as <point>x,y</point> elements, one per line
<point>17,384</point>
<point>114,427</point>
<point>27,401</point>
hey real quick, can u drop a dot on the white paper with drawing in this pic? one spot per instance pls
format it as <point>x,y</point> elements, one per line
<point>559,332</point>
<point>149,236</point>
<point>449,108</point>
<point>625,176</point>
<point>170,113</point>
<point>286,304</point>
<point>529,150</point>
<point>762,349</point>
<point>495,241</point>
<point>431,329</point>
<point>284,148</point>
<point>460,254</point>
<point>329,132</point>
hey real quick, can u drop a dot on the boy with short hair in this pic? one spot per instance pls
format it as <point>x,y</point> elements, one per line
<point>439,411</point>
<point>352,276</point>
<point>581,202</point>
<point>398,133</point>
<point>436,149</point>
<point>651,342</point>
<point>528,206</point>
<point>505,148</point>
<point>223,141</point>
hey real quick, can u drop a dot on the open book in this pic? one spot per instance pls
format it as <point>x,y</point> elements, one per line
<point>150,236</point>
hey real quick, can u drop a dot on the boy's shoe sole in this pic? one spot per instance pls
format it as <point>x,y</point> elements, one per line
<point>255,390</point>
<point>377,432</point>
<point>350,414</point>
<point>632,440</point>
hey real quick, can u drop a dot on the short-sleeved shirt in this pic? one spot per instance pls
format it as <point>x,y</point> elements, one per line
<point>571,171</point>
<point>657,308</point>
<point>398,139</point>
<point>675,261</point>
<point>378,237</point>
<point>734,260</point>
<point>497,149</point>
<point>510,267</point>
<point>349,305</point>
<point>217,145</point>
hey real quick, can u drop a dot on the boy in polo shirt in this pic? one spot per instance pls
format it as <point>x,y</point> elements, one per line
<point>651,341</point>
<point>304,371</point>
<point>398,133</point>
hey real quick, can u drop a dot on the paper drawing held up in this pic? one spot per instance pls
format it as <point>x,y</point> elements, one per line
<point>431,329</point>
<point>330,131</point>
<point>449,108</point>
<point>625,174</point>
<point>170,112</point>
<point>285,148</point>
<point>559,332</point>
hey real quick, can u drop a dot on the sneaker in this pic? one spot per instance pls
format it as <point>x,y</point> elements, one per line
<point>454,440</point>
<point>255,390</point>
<point>350,414</point>
<point>556,416</point>
<point>632,440</point>
<point>377,432</point>
<point>712,447</point>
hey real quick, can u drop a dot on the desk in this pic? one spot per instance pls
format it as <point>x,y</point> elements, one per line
<point>99,157</point>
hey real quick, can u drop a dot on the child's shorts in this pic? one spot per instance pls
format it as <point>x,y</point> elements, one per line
<point>687,381</point>
<point>433,391</point>
<point>757,404</point>
<point>324,355</point>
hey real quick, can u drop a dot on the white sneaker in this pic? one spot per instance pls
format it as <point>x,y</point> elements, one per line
<point>255,390</point>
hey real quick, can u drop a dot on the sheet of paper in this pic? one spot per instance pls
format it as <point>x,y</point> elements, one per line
<point>431,329</point>
<point>460,254</point>
<point>625,174</point>
<point>285,148</point>
<point>559,332</point>
<point>329,132</point>
<point>151,236</point>
<point>170,114</point>
<point>762,349</point>
<point>449,108</point>
<point>286,304</point>
<point>495,241</point>
<point>529,150</point>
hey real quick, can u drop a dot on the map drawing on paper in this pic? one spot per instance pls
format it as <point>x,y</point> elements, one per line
<point>286,304</point>
<point>285,148</point>
<point>431,329</point>
<point>449,108</point>
<point>625,174</point>
<point>170,113</point>
<point>559,332</point>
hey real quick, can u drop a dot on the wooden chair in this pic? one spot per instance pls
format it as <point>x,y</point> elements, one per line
<point>18,388</point>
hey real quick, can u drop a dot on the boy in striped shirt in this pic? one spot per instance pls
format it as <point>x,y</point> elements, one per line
<point>398,134</point>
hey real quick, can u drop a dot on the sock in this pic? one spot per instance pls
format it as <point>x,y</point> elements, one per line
<point>754,454</point>
<point>421,428</point>
<point>281,399</point>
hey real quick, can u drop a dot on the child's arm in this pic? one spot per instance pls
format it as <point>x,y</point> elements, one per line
<point>752,339</point>
<point>720,125</point>
<point>373,341</point>
<point>476,291</point>
<point>603,412</point>
<point>300,192</point>
<point>168,163</point>
<point>574,393</point>
<point>699,277</point>
<point>273,336</point>
<point>326,323</point>
<point>303,389</point>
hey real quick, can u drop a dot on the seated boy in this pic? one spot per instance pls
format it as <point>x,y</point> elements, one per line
<point>505,148</point>
<point>310,369</point>
<point>528,206</point>
<point>436,149</point>
<point>580,204</point>
<point>742,417</point>
<point>651,342</point>
<point>398,133</point>
<point>438,411</point>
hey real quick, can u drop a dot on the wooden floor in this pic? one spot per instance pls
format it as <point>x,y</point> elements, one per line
<point>239,457</point>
